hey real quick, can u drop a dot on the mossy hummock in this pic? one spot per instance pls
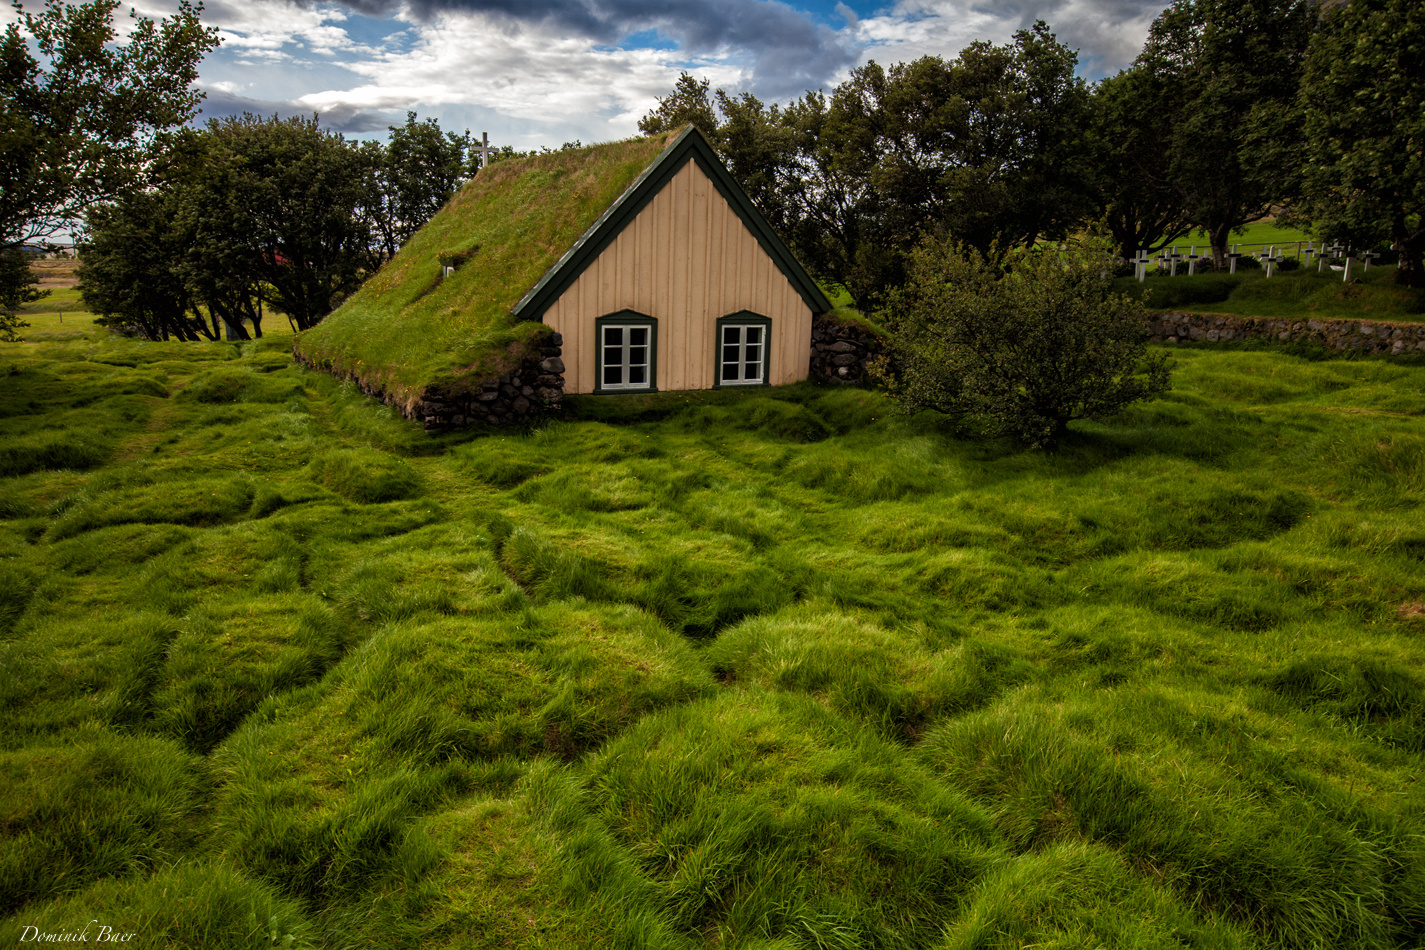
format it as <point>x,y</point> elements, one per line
<point>414,330</point>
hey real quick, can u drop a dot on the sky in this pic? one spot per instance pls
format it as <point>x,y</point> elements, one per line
<point>539,73</point>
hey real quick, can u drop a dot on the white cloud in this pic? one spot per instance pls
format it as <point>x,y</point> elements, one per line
<point>527,72</point>
<point>1107,33</point>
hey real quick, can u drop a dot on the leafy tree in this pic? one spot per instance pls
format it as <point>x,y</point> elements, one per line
<point>77,122</point>
<point>1236,66</point>
<point>1024,346</point>
<point>247,213</point>
<point>131,265</point>
<point>417,172</point>
<point>1131,130</point>
<point>276,213</point>
<point>1364,101</point>
<point>17,288</point>
<point>687,103</point>
<point>1017,171</point>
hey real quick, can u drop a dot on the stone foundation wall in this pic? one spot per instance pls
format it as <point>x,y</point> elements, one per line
<point>1364,336</point>
<point>839,351</point>
<point>534,389</point>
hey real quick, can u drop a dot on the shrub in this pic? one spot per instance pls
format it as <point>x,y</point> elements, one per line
<point>1024,346</point>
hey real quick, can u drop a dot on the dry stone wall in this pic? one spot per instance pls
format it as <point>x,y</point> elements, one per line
<point>840,350</point>
<point>1365,336</point>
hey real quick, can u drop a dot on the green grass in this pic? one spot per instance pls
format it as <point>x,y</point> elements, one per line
<point>1258,232</point>
<point>755,670</point>
<point>1301,293</point>
<point>408,328</point>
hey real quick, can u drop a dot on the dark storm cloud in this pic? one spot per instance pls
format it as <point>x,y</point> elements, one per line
<point>789,51</point>
<point>337,118</point>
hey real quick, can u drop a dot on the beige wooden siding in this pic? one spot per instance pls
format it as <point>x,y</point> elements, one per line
<point>686,259</point>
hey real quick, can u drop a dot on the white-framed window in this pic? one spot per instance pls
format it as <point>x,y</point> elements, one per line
<point>627,357</point>
<point>742,341</point>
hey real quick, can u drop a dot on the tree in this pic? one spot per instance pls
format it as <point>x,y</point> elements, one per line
<point>1236,66</point>
<point>1364,103</point>
<point>1131,129</point>
<point>1024,347</point>
<point>249,212</point>
<point>276,213</point>
<point>131,265</point>
<point>688,103</point>
<point>417,172</point>
<point>17,288</point>
<point>77,123</point>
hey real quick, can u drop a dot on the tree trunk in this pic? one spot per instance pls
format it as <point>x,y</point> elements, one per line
<point>1411,247</point>
<point>1218,236</point>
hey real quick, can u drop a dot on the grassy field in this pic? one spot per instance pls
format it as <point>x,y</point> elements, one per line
<point>1300,293</point>
<point>1258,232</point>
<point>755,670</point>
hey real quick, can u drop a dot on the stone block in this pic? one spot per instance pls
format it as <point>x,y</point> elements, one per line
<point>552,365</point>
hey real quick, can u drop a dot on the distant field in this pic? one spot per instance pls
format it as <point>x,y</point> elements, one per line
<point>61,315</point>
<point>1300,293</point>
<point>1259,232</point>
<point>775,669</point>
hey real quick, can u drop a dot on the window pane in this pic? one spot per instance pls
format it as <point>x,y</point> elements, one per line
<point>638,336</point>
<point>613,336</point>
<point>754,336</point>
<point>729,335</point>
<point>637,375</point>
<point>638,355</point>
<point>613,375</point>
<point>754,371</point>
<point>731,354</point>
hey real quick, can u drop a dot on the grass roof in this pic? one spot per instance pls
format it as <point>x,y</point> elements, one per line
<point>408,330</point>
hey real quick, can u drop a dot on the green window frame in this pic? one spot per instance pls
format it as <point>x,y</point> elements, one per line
<point>742,352</point>
<point>626,353</point>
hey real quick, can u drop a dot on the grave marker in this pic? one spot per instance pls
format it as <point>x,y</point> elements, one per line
<point>483,149</point>
<point>1140,266</point>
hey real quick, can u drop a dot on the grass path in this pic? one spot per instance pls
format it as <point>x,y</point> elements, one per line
<point>777,669</point>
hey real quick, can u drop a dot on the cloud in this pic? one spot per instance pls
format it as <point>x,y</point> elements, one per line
<point>338,116</point>
<point>1107,33</point>
<point>786,49</point>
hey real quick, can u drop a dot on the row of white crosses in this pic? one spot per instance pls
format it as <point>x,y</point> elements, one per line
<point>1269,256</point>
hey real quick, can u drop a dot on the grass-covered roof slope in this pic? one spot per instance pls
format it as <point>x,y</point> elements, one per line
<point>408,330</point>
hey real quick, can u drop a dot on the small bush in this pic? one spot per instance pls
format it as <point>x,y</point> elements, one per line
<point>1024,347</point>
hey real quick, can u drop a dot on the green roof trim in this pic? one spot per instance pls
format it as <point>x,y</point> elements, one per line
<point>689,145</point>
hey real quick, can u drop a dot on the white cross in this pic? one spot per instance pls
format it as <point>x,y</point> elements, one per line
<point>483,149</point>
<point>1140,266</point>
